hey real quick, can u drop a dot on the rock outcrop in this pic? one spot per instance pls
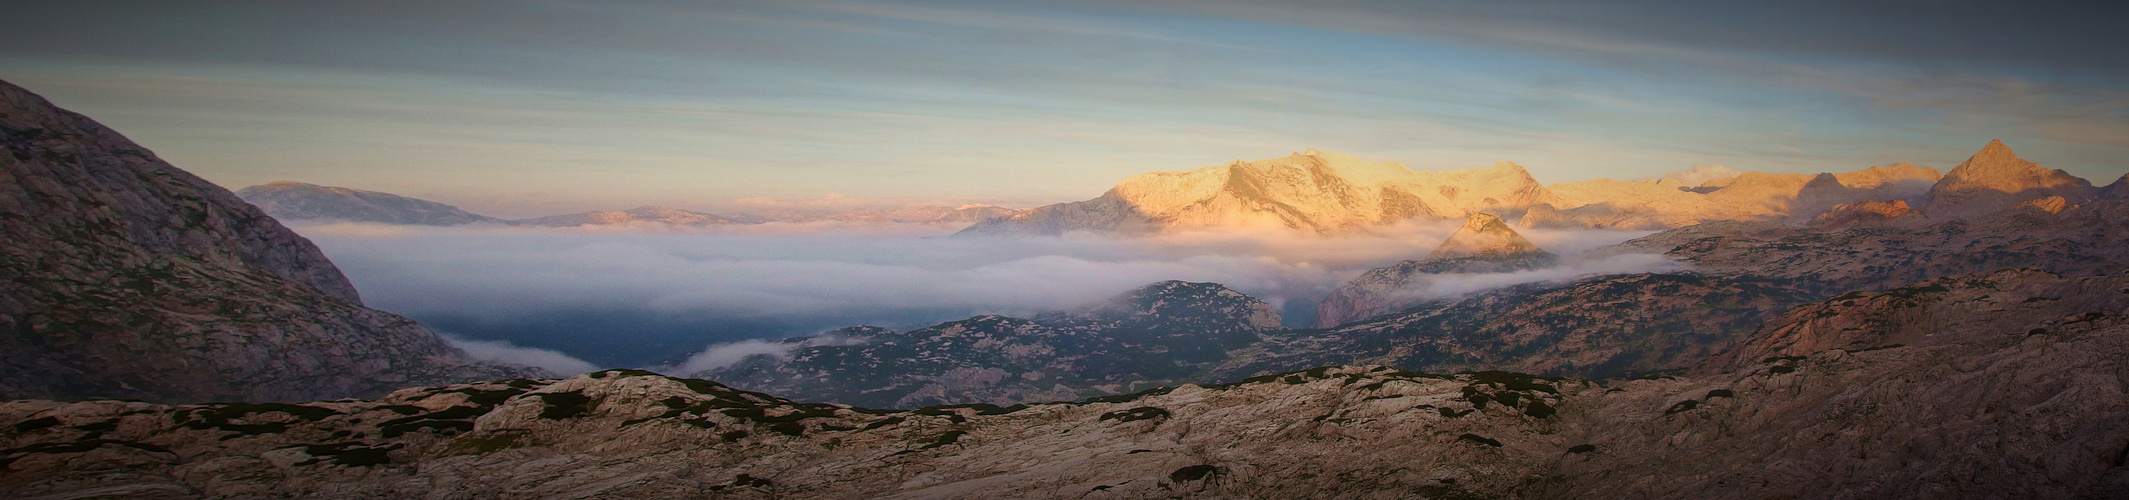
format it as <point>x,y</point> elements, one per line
<point>122,276</point>
<point>1150,336</point>
<point>1312,192</point>
<point>1995,179</point>
<point>296,201</point>
<point>1484,244</point>
<point>1861,212</point>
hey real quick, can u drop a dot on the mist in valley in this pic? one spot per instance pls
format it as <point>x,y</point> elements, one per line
<point>687,299</point>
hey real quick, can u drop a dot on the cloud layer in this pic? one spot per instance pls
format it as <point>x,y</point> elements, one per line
<point>646,298</point>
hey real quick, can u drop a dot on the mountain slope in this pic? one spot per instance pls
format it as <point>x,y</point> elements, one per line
<point>1313,191</point>
<point>1155,334</point>
<point>1995,179</point>
<point>127,277</point>
<point>1484,244</point>
<point>293,201</point>
<point>1668,203</point>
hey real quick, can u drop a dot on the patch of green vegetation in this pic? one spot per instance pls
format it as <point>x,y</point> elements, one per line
<point>564,405</point>
<point>1448,413</point>
<point>1720,393</point>
<point>1193,473</point>
<point>1480,440</point>
<point>522,383</point>
<point>1135,414</point>
<point>734,435</point>
<point>455,419</point>
<point>1782,358</point>
<point>218,417</point>
<point>1582,448</point>
<point>1539,409</point>
<point>951,416</point>
<point>789,428</point>
<point>1780,369</point>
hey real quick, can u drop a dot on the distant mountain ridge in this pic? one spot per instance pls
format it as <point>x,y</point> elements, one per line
<point>302,202</point>
<point>1311,191</point>
<point>290,200</point>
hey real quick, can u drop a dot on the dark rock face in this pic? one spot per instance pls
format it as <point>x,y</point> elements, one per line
<point>123,276</point>
<point>292,201</point>
<point>1153,335</point>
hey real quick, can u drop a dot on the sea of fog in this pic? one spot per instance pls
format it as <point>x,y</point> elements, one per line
<point>685,299</point>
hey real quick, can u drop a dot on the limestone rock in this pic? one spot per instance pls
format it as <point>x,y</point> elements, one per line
<point>1311,192</point>
<point>1861,212</point>
<point>1996,179</point>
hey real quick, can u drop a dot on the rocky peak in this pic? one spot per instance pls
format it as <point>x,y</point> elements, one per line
<point>127,277</point>
<point>1484,235</point>
<point>1995,179</point>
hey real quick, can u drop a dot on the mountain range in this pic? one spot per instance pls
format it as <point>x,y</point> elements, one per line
<point>296,201</point>
<point>1970,341</point>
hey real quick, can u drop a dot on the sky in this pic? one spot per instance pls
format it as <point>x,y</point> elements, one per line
<point>533,107</point>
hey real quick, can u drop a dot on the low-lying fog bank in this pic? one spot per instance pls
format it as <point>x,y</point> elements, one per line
<point>576,298</point>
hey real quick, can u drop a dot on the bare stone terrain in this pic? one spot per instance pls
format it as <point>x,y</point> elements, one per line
<point>124,277</point>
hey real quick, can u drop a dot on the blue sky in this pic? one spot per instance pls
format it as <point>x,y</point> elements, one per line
<point>533,107</point>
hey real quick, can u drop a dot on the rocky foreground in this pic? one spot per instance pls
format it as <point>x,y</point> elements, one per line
<point>1998,385</point>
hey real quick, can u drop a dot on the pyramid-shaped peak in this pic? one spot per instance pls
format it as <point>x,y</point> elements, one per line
<point>1484,235</point>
